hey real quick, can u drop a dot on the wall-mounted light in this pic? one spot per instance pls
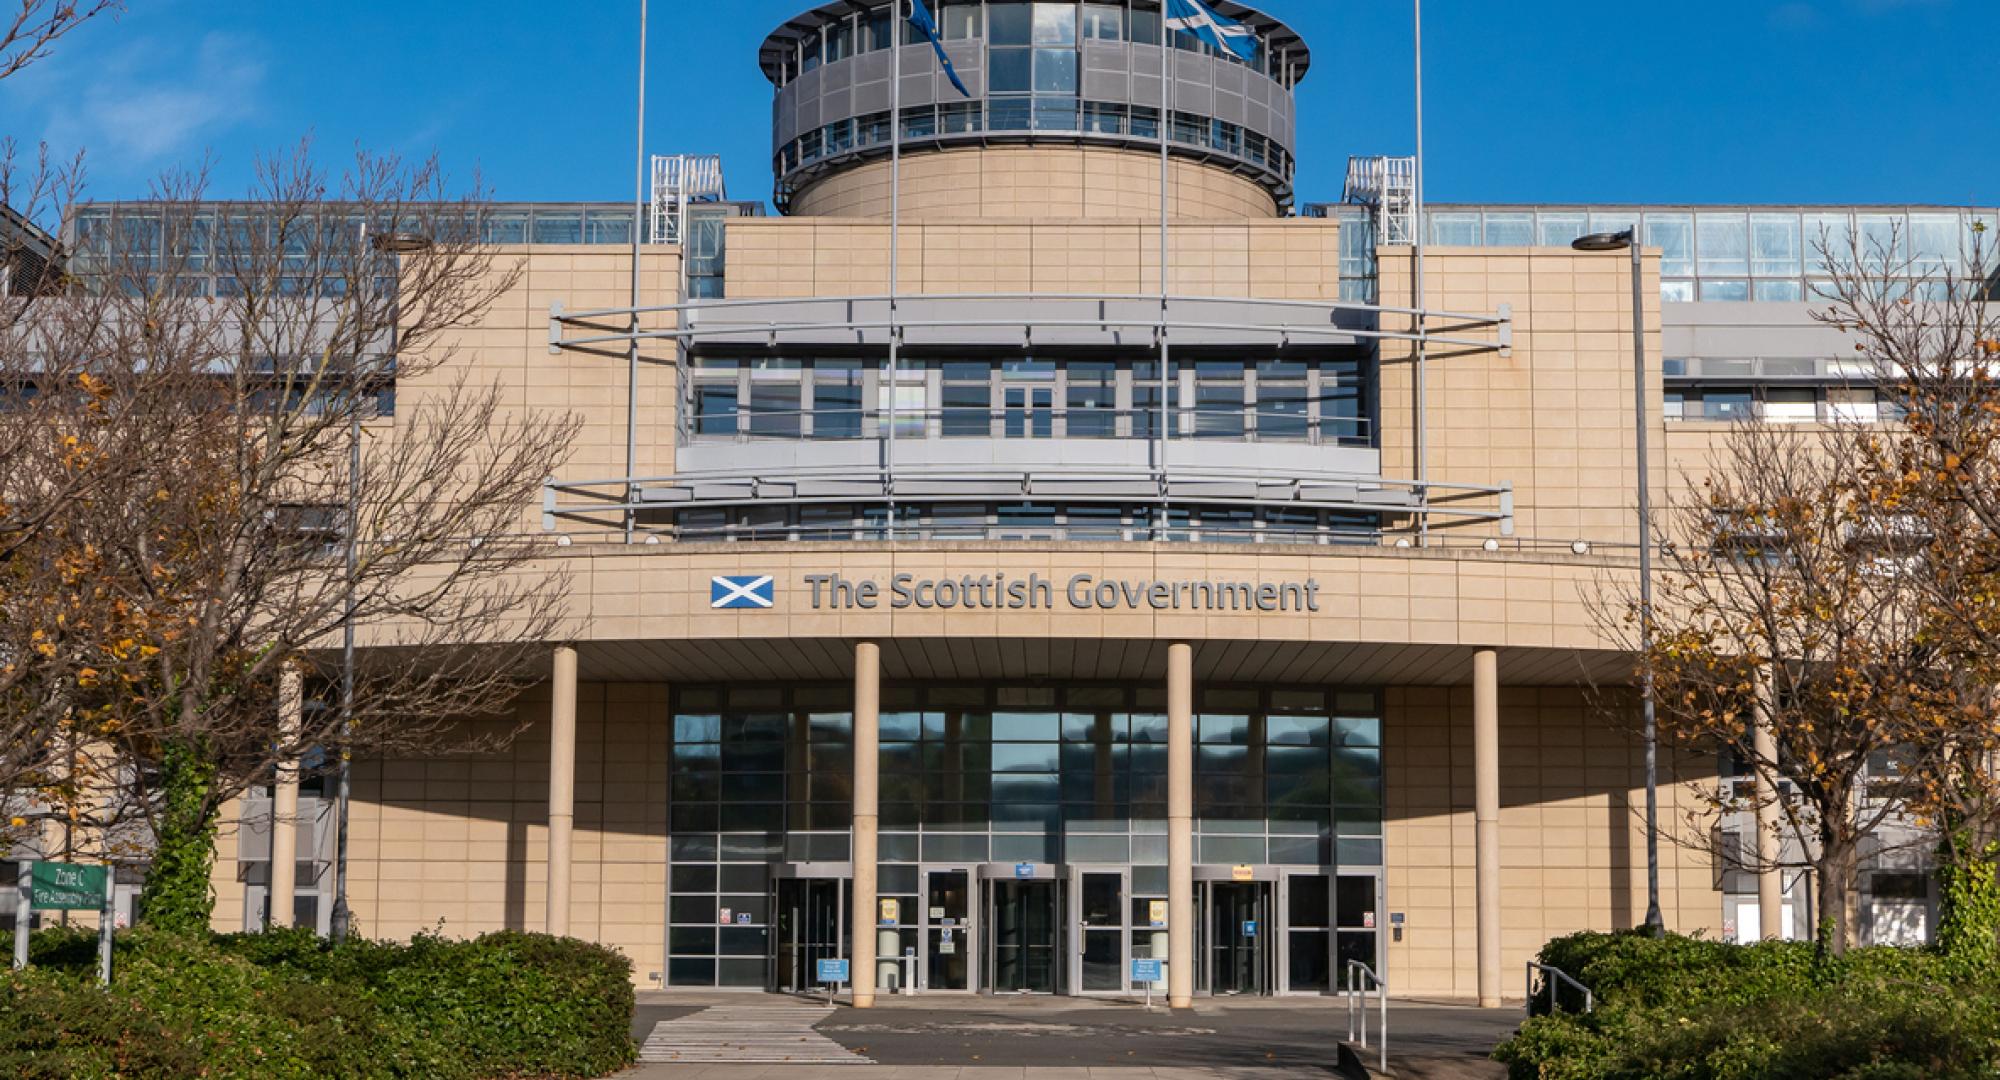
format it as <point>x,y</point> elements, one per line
<point>1491,544</point>
<point>1579,547</point>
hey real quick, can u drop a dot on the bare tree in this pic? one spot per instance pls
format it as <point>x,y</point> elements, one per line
<point>28,33</point>
<point>1781,607</point>
<point>1933,334</point>
<point>266,340</point>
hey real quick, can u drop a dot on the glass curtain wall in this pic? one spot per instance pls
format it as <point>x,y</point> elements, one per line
<point>973,774</point>
<point>1736,254</point>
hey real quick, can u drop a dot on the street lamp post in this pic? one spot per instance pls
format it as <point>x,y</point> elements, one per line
<point>1628,240</point>
<point>391,244</point>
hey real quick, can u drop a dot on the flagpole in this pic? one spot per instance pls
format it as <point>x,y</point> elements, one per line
<point>632,347</point>
<point>1166,349</point>
<point>895,259</point>
<point>1422,440</point>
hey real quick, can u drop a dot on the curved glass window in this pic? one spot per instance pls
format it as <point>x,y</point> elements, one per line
<point>1055,24</point>
<point>1010,24</point>
<point>1030,48</point>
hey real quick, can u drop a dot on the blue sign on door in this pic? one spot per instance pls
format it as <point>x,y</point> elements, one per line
<point>1025,871</point>
<point>833,971</point>
<point>1148,971</point>
<point>1250,929</point>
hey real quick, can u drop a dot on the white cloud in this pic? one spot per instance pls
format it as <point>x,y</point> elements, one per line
<point>147,102</point>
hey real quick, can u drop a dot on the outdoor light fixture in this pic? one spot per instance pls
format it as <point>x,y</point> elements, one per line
<point>564,540</point>
<point>1491,544</point>
<point>1628,240</point>
<point>653,541</point>
<point>401,243</point>
<point>1603,241</point>
<point>1403,543</point>
<point>1579,547</point>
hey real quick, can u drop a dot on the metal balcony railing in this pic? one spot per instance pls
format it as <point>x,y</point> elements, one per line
<point>862,486</point>
<point>847,424</point>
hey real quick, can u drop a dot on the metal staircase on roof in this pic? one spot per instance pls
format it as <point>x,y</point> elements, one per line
<point>1388,186</point>
<point>679,181</point>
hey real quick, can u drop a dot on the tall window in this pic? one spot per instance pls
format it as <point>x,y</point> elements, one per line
<point>968,400</point>
<point>1283,407</point>
<point>1104,22</point>
<point>839,41</point>
<point>837,399</point>
<point>1218,399</point>
<point>876,27</point>
<point>1092,406</point>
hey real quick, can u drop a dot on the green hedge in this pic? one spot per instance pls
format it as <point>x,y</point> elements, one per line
<point>287,1005</point>
<point>1681,1008</point>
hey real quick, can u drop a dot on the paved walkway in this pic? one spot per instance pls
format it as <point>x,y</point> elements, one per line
<point>756,1037</point>
<point>936,1072</point>
<point>752,1033</point>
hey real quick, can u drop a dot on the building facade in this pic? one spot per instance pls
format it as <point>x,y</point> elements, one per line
<point>1002,599</point>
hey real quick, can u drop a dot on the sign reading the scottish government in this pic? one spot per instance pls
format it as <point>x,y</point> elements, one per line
<point>1081,592</point>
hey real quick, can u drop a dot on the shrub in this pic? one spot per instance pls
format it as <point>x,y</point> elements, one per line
<point>283,1005</point>
<point>1689,1009</point>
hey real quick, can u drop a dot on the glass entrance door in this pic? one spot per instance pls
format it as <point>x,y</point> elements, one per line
<point>1099,924</point>
<point>1358,932</point>
<point>1239,935</point>
<point>1308,942</point>
<point>948,941</point>
<point>1025,923</point>
<point>810,928</point>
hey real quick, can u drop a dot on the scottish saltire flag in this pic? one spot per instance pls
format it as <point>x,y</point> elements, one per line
<point>1197,18</point>
<point>920,14</point>
<point>736,593</point>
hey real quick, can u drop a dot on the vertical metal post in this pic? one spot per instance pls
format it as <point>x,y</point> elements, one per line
<point>632,347</point>
<point>24,913</point>
<point>1421,444</point>
<point>105,924</point>
<point>341,918</point>
<point>895,263</point>
<point>1655,922</point>
<point>1166,348</point>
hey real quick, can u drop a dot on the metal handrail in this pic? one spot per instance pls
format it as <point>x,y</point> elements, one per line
<point>562,315</point>
<point>769,487</point>
<point>1553,978</point>
<point>1357,1009</point>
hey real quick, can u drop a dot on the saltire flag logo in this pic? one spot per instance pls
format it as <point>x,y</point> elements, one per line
<point>1197,18</point>
<point>735,593</point>
<point>920,14</point>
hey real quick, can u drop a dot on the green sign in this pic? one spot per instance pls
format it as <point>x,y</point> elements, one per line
<point>65,887</point>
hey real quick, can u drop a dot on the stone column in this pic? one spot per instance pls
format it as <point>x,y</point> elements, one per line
<point>1486,818</point>
<point>867,816</point>
<point>562,787</point>
<point>285,802</point>
<point>1770,879</point>
<point>1180,825</point>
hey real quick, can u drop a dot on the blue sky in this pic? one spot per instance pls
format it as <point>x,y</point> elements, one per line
<point>1529,100</point>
